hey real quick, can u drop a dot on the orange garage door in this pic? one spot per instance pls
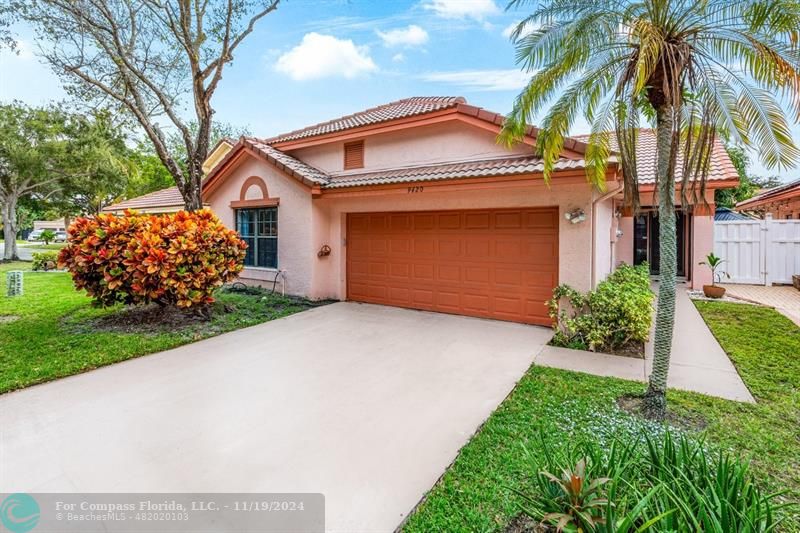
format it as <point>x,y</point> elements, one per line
<point>499,263</point>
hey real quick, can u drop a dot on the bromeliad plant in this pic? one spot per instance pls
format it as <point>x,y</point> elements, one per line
<point>658,483</point>
<point>173,259</point>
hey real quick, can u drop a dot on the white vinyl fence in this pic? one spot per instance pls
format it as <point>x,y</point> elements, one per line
<point>759,252</point>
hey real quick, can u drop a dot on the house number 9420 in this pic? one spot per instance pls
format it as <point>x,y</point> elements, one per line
<point>417,188</point>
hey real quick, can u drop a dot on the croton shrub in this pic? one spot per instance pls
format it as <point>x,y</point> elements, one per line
<point>172,259</point>
<point>617,313</point>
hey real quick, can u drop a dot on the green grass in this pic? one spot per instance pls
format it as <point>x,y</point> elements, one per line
<point>475,494</point>
<point>42,246</point>
<point>51,334</point>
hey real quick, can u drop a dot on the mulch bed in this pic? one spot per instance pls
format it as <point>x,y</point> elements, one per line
<point>633,349</point>
<point>633,404</point>
<point>523,523</point>
<point>151,319</point>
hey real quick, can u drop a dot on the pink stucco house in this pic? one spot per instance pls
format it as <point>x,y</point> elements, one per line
<point>414,204</point>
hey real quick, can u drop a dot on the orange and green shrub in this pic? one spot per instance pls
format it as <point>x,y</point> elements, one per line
<point>174,259</point>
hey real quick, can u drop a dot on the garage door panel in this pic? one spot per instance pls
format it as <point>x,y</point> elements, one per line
<point>449,248</point>
<point>478,303</point>
<point>447,221</point>
<point>489,263</point>
<point>477,220</point>
<point>508,220</point>
<point>509,276</point>
<point>424,246</point>
<point>477,247</point>
<point>540,219</point>
<point>424,297</point>
<point>400,222</point>
<point>449,300</point>
<point>449,273</point>
<point>424,272</point>
<point>424,221</point>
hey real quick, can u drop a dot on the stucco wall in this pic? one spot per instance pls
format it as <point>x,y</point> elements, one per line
<point>575,240</point>
<point>295,250</point>
<point>623,248</point>
<point>435,143</point>
<point>604,231</point>
<point>702,244</point>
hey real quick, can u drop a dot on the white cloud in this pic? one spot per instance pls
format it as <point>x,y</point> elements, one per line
<point>460,9</point>
<point>508,30</point>
<point>398,58</point>
<point>481,80</point>
<point>321,56</point>
<point>411,36</point>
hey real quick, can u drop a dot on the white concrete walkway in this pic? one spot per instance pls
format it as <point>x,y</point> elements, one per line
<point>783,298</point>
<point>363,403</point>
<point>698,362</point>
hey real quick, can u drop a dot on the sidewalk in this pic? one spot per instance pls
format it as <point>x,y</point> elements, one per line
<point>784,298</point>
<point>698,363</point>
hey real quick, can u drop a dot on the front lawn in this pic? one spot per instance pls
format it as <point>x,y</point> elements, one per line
<point>477,492</point>
<point>53,331</point>
<point>40,246</point>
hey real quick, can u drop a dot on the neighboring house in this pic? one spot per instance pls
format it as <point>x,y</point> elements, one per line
<point>723,214</point>
<point>414,204</point>
<point>216,154</point>
<point>169,200</point>
<point>54,225</point>
<point>783,202</point>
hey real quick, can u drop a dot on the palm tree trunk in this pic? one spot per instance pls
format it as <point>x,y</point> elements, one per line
<point>655,401</point>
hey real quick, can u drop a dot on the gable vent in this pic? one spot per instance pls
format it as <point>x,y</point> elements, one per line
<point>354,155</point>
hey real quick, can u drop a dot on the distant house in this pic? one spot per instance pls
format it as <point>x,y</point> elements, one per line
<point>169,200</point>
<point>724,214</point>
<point>783,202</point>
<point>54,225</point>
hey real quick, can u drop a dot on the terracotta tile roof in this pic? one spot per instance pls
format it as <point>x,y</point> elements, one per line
<point>169,197</point>
<point>287,163</point>
<point>468,169</point>
<point>770,193</point>
<point>406,107</point>
<point>721,166</point>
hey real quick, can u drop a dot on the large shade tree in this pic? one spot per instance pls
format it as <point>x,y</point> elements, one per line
<point>697,69</point>
<point>67,163</point>
<point>31,143</point>
<point>152,59</point>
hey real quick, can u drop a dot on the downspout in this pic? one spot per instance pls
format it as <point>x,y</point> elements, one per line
<point>596,201</point>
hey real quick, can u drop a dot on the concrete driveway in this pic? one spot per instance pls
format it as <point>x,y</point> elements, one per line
<point>365,404</point>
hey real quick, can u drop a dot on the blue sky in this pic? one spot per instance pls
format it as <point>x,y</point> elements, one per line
<point>313,60</point>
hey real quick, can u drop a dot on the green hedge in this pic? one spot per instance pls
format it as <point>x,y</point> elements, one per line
<point>617,313</point>
<point>44,260</point>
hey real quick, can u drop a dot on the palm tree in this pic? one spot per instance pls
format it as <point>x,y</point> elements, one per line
<point>698,69</point>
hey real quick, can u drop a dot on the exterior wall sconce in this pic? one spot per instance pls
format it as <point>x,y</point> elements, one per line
<point>575,216</point>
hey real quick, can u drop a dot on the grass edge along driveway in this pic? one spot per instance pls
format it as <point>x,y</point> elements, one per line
<point>47,333</point>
